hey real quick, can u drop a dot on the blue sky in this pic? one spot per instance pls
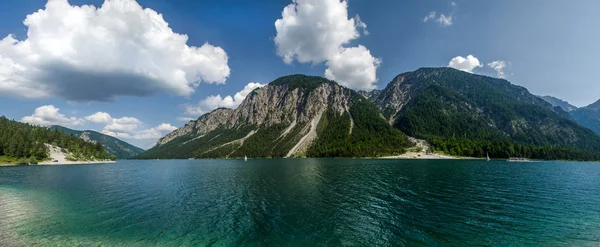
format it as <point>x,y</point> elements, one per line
<point>550,47</point>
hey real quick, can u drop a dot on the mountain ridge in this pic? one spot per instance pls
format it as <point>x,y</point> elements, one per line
<point>566,106</point>
<point>459,113</point>
<point>284,119</point>
<point>114,146</point>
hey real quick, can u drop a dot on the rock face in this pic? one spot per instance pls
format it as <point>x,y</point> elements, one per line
<point>289,108</point>
<point>113,146</point>
<point>277,104</point>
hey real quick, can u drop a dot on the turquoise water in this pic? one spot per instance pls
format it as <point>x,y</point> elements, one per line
<point>302,202</point>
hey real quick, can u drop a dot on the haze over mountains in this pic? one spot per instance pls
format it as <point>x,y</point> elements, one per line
<point>588,116</point>
<point>459,113</point>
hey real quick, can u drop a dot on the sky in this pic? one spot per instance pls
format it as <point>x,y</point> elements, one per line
<point>139,69</point>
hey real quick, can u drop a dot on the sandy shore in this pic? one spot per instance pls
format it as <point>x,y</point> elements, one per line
<point>57,155</point>
<point>50,163</point>
<point>420,155</point>
<point>61,159</point>
<point>423,153</point>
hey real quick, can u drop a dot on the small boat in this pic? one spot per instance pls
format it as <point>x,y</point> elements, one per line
<point>488,156</point>
<point>516,159</point>
<point>245,158</point>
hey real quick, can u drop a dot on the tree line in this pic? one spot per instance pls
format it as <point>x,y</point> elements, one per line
<point>24,143</point>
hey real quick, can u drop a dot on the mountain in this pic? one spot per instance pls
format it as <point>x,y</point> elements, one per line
<point>114,146</point>
<point>560,103</point>
<point>21,143</point>
<point>588,116</point>
<point>467,114</point>
<point>293,116</point>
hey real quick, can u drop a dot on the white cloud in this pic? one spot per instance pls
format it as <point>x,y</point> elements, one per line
<point>185,119</point>
<point>84,53</point>
<point>166,127</point>
<point>465,64</point>
<point>499,67</point>
<point>445,20</point>
<point>215,101</point>
<point>124,124</point>
<point>430,16</point>
<point>145,134</point>
<point>453,3</point>
<point>353,67</point>
<point>48,115</point>
<point>315,31</point>
<point>361,25</point>
<point>99,117</point>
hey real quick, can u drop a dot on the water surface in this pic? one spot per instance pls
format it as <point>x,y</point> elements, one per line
<point>306,202</point>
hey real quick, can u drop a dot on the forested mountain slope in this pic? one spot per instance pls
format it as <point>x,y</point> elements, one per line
<point>112,145</point>
<point>467,114</point>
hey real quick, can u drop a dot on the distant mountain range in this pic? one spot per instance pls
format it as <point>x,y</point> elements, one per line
<point>588,116</point>
<point>559,103</point>
<point>459,113</point>
<point>112,145</point>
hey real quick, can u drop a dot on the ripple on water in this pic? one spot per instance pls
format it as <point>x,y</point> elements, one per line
<point>302,202</point>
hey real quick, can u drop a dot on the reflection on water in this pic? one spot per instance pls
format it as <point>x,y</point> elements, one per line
<point>301,202</point>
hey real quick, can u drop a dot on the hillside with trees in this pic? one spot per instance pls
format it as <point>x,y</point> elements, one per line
<point>25,144</point>
<point>465,114</point>
<point>112,145</point>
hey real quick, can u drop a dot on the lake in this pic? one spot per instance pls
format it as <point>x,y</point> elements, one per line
<point>307,202</point>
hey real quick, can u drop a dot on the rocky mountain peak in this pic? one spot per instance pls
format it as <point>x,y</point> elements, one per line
<point>294,99</point>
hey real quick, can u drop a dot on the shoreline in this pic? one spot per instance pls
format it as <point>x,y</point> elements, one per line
<point>423,156</point>
<point>50,163</point>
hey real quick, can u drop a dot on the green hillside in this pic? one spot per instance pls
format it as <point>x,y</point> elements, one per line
<point>114,146</point>
<point>24,143</point>
<point>471,115</point>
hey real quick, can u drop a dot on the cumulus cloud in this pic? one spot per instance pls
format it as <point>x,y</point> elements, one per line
<point>430,16</point>
<point>445,20</point>
<point>124,124</point>
<point>499,67</point>
<point>129,127</point>
<point>48,115</point>
<point>84,53</point>
<point>166,127</point>
<point>315,31</point>
<point>467,64</point>
<point>144,134</point>
<point>215,101</point>
<point>353,66</point>
<point>99,117</point>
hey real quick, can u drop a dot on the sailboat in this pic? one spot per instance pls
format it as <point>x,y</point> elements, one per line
<point>488,156</point>
<point>245,158</point>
